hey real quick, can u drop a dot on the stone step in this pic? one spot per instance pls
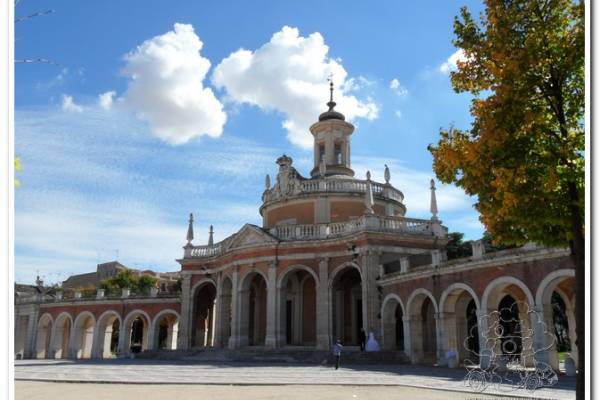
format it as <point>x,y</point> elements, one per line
<point>282,355</point>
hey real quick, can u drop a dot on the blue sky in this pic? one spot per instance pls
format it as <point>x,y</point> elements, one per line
<point>157,109</point>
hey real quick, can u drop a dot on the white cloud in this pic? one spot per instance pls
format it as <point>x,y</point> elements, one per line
<point>450,64</point>
<point>69,105</point>
<point>289,74</point>
<point>106,99</point>
<point>397,88</point>
<point>398,114</point>
<point>166,87</point>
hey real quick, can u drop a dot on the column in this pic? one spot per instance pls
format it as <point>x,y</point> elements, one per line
<point>407,324</point>
<point>371,296</point>
<point>217,327</point>
<point>234,339</point>
<point>486,339</point>
<point>183,342</point>
<point>442,342</point>
<point>271,336</point>
<point>323,307</point>
<point>544,341</point>
<point>31,334</point>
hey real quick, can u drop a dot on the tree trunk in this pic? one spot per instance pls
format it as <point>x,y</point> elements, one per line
<point>578,255</point>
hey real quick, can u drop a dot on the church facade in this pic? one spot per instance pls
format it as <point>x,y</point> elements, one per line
<point>335,254</point>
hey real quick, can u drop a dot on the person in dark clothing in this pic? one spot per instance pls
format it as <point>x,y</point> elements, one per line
<point>363,339</point>
<point>337,352</point>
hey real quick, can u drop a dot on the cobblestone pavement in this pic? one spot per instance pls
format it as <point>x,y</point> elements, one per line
<point>173,372</point>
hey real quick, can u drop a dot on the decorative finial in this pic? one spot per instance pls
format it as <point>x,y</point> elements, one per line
<point>331,103</point>
<point>386,175</point>
<point>433,207</point>
<point>369,196</point>
<point>190,232</point>
<point>210,235</point>
<point>267,182</point>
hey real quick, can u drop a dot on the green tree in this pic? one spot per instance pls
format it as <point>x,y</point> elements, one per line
<point>524,153</point>
<point>456,248</point>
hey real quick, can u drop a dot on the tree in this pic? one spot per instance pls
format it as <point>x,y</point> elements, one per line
<point>456,248</point>
<point>524,153</point>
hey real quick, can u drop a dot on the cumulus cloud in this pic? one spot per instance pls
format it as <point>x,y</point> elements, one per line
<point>450,64</point>
<point>106,99</point>
<point>398,114</point>
<point>397,88</point>
<point>69,105</point>
<point>166,87</point>
<point>289,74</point>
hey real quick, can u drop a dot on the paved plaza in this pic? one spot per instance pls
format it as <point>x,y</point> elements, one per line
<point>125,371</point>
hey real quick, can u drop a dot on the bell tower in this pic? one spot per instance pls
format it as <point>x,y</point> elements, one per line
<point>332,142</point>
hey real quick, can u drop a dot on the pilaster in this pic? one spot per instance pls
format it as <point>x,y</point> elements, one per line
<point>323,307</point>
<point>271,334</point>
<point>234,339</point>
<point>183,342</point>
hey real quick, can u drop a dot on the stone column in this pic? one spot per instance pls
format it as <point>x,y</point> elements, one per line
<point>234,339</point>
<point>486,341</point>
<point>271,336</point>
<point>370,294</point>
<point>217,324</point>
<point>406,325</point>
<point>323,307</point>
<point>544,341</point>
<point>183,342</point>
<point>442,336</point>
<point>31,334</point>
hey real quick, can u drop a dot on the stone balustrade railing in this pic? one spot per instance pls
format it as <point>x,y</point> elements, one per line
<point>339,186</point>
<point>36,299</point>
<point>372,223</point>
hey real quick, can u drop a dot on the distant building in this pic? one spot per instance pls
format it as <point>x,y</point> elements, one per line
<point>110,270</point>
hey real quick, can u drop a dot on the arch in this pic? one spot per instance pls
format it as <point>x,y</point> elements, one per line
<point>245,282</point>
<point>392,325</point>
<point>413,296</point>
<point>252,303</point>
<point>348,308</point>
<point>105,335</point>
<point>43,336</point>
<point>127,330</point>
<point>296,306</point>
<point>551,279</point>
<point>296,267</point>
<point>502,282</point>
<point>390,297</point>
<point>83,335</point>
<point>61,335</point>
<point>340,268</point>
<point>170,336</point>
<point>199,284</point>
<point>201,329</point>
<point>454,287</point>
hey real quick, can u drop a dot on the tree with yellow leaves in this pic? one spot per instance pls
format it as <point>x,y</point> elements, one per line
<point>524,154</point>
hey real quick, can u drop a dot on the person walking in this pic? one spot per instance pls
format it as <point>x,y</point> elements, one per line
<point>337,352</point>
<point>363,339</point>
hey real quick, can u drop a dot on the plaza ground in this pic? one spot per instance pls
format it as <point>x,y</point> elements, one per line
<point>149,379</point>
<point>27,390</point>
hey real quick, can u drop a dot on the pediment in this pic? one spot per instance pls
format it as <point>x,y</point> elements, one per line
<point>251,235</point>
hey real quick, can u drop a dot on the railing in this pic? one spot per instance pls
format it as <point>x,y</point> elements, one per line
<point>372,223</point>
<point>342,185</point>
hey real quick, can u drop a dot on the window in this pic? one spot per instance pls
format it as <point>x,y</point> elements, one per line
<point>322,152</point>
<point>338,153</point>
